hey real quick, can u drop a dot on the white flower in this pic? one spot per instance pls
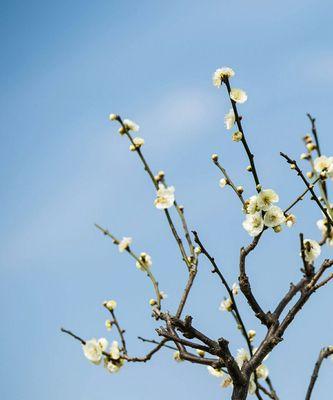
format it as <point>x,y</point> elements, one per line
<point>274,217</point>
<point>222,182</point>
<point>312,250</point>
<point>163,295</point>
<point>114,350</point>
<point>110,305</point>
<point>215,372</point>
<point>262,371</point>
<point>238,95</point>
<point>235,289</point>
<point>226,305</point>
<point>251,205</point>
<point>322,225</point>
<point>124,244</point>
<point>290,220</point>
<point>103,343</point>
<point>113,368</point>
<point>138,142</point>
<point>130,125</point>
<point>229,119</point>
<point>221,73</point>
<point>165,197</point>
<point>93,349</point>
<point>145,262</point>
<point>266,198</point>
<point>242,356</point>
<point>253,224</point>
<point>324,164</point>
<point>176,356</point>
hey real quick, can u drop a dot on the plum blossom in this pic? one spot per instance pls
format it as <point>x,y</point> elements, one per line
<point>324,164</point>
<point>137,143</point>
<point>165,197</point>
<point>229,119</point>
<point>235,289</point>
<point>312,250</point>
<point>144,262</point>
<point>130,125</point>
<point>274,217</point>
<point>93,349</point>
<point>266,198</point>
<point>238,95</point>
<point>220,74</point>
<point>251,205</point>
<point>124,244</point>
<point>110,304</point>
<point>226,305</point>
<point>253,224</point>
<point>114,350</point>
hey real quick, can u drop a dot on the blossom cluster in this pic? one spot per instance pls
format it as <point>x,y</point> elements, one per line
<point>96,351</point>
<point>261,212</point>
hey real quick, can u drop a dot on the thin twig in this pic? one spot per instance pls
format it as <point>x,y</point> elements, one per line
<point>324,353</point>
<point>137,259</point>
<point>308,185</point>
<point>244,141</point>
<point>229,181</point>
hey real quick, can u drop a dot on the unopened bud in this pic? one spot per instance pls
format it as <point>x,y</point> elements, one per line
<point>197,250</point>
<point>200,353</point>
<point>309,174</point>
<point>251,334</point>
<point>108,324</point>
<point>222,182</point>
<point>215,157</point>
<point>249,168</point>
<point>152,302</point>
<point>311,146</point>
<point>237,136</point>
<point>113,117</point>
<point>240,189</point>
<point>277,229</point>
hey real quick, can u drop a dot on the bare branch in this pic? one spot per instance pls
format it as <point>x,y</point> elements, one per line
<point>324,353</point>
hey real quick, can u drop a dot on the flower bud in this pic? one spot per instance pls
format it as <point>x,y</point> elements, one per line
<point>237,136</point>
<point>240,189</point>
<point>222,182</point>
<point>311,146</point>
<point>251,334</point>
<point>197,250</point>
<point>113,117</point>
<point>215,157</point>
<point>200,353</point>
<point>108,324</point>
<point>110,305</point>
<point>290,220</point>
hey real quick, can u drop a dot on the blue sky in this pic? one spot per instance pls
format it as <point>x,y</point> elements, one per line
<point>64,67</point>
